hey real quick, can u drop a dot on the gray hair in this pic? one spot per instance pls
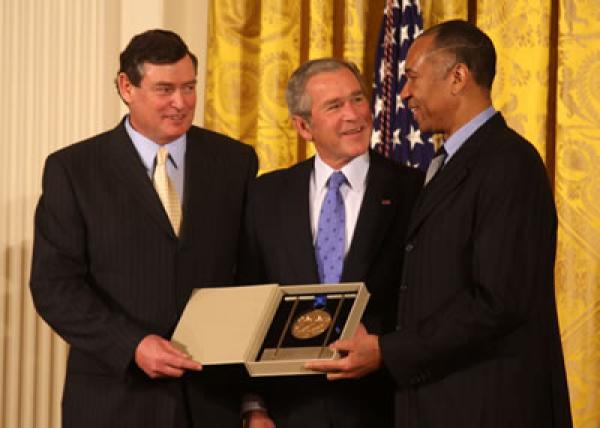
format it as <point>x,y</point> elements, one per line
<point>299,103</point>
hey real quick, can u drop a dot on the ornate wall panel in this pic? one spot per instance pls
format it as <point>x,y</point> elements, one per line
<point>520,30</point>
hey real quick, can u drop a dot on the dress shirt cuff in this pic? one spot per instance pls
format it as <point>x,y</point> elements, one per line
<point>252,402</point>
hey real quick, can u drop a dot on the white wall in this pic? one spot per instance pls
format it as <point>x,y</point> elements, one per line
<point>58,62</point>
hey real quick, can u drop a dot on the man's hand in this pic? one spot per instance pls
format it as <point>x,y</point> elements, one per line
<point>363,357</point>
<point>157,357</point>
<point>258,419</point>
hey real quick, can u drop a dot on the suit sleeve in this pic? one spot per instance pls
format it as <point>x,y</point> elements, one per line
<point>508,260</point>
<point>63,291</point>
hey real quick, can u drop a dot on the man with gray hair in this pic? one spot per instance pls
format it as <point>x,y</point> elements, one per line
<point>286,237</point>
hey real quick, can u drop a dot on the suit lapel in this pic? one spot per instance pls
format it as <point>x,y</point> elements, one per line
<point>199,188</point>
<point>130,171</point>
<point>437,190</point>
<point>295,223</point>
<point>453,174</point>
<point>375,216</point>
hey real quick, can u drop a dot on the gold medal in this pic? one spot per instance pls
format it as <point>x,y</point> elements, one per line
<point>311,324</point>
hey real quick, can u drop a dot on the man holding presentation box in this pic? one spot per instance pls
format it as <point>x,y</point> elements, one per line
<point>337,217</point>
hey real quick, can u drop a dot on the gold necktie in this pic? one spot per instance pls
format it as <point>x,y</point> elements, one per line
<point>165,189</point>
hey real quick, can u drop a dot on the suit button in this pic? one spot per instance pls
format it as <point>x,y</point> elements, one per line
<point>398,327</point>
<point>403,288</point>
<point>409,247</point>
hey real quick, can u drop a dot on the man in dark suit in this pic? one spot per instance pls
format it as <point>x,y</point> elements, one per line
<point>283,228</point>
<point>115,260</point>
<point>477,341</point>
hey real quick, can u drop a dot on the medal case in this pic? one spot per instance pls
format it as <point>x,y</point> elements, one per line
<point>273,330</point>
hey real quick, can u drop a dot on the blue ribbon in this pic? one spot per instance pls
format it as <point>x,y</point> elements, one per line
<point>320,301</point>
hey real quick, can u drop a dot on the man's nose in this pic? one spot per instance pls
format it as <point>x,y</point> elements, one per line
<point>177,98</point>
<point>350,110</point>
<point>405,93</point>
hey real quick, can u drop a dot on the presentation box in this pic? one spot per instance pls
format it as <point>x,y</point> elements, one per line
<point>273,330</point>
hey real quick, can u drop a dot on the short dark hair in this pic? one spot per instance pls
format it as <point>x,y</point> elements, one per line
<point>155,47</point>
<point>295,95</point>
<point>470,45</point>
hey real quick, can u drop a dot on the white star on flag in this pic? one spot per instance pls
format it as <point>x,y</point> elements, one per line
<point>404,34</point>
<point>395,132</point>
<point>414,137</point>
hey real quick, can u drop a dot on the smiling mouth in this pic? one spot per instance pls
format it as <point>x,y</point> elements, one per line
<point>353,131</point>
<point>177,117</point>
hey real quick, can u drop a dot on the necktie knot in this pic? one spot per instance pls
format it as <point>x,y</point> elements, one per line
<point>441,152</point>
<point>336,180</point>
<point>162,155</point>
<point>436,164</point>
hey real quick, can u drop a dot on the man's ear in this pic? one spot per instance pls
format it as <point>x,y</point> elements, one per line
<point>303,127</point>
<point>125,87</point>
<point>459,74</point>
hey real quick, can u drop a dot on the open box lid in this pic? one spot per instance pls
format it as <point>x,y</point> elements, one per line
<point>227,325</point>
<point>221,325</point>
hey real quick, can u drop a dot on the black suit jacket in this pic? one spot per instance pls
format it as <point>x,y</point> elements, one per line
<point>108,269</point>
<point>477,342</point>
<point>278,248</point>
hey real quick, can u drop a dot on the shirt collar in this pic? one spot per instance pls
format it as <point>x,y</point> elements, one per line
<point>148,148</point>
<point>456,140</point>
<point>355,171</point>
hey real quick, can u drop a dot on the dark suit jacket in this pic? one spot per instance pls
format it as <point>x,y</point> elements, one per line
<point>477,342</point>
<point>108,269</point>
<point>278,248</point>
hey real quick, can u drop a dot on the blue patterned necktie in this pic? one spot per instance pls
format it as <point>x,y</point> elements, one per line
<point>331,235</point>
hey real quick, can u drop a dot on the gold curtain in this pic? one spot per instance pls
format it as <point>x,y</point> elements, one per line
<point>254,46</point>
<point>577,190</point>
<point>547,86</point>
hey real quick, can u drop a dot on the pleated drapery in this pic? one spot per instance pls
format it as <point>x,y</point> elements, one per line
<point>56,90</point>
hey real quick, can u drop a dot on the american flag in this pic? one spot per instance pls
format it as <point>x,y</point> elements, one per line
<point>395,133</point>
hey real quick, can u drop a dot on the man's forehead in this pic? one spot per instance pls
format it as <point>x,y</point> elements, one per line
<point>184,61</point>
<point>328,73</point>
<point>175,72</point>
<point>422,50</point>
<point>416,51</point>
<point>328,98</point>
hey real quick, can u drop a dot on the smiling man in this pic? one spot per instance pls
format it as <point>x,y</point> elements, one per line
<point>287,240</point>
<point>476,343</point>
<point>129,222</point>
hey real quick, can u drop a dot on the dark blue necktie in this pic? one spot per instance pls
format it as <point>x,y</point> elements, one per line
<point>331,235</point>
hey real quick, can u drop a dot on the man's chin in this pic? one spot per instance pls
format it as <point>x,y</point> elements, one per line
<point>423,127</point>
<point>359,151</point>
<point>178,130</point>
<point>358,140</point>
